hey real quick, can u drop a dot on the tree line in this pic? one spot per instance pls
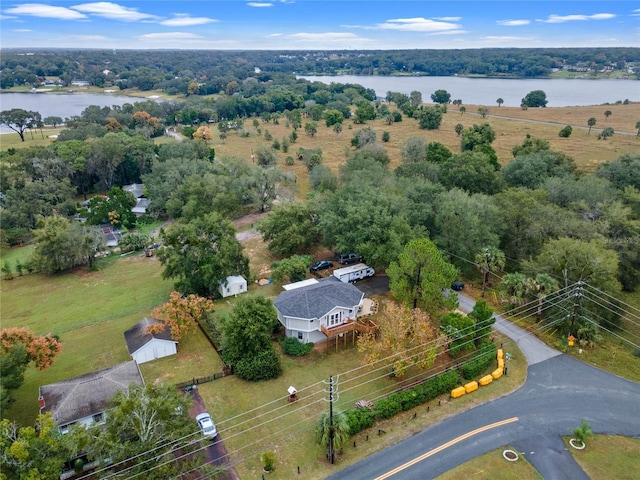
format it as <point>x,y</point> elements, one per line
<point>179,72</point>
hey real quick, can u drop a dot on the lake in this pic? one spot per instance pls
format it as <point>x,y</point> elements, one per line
<point>485,91</point>
<point>62,105</point>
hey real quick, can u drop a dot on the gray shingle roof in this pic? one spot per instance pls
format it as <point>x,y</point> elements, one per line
<point>315,301</point>
<point>88,394</point>
<point>137,336</point>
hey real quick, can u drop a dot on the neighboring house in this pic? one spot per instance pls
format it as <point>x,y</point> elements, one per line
<point>84,399</point>
<point>144,346</point>
<point>111,235</point>
<point>310,309</point>
<point>142,203</point>
<point>233,285</point>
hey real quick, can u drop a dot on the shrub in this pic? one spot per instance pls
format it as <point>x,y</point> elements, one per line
<point>479,362</point>
<point>264,366</point>
<point>292,346</point>
<point>359,419</point>
<point>566,132</point>
<point>267,136</point>
<point>386,136</point>
<point>387,407</point>
<point>268,461</point>
<point>289,161</point>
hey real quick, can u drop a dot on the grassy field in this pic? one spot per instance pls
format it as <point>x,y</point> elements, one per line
<point>12,140</point>
<point>510,124</point>
<point>606,457</point>
<point>493,466</point>
<point>88,310</point>
<point>609,457</point>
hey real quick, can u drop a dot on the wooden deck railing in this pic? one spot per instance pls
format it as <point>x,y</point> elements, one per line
<point>362,326</point>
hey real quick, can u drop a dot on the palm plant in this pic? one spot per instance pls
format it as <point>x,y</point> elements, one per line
<point>340,430</point>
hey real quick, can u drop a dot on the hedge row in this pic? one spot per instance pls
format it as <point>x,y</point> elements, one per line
<point>397,402</point>
<point>480,361</point>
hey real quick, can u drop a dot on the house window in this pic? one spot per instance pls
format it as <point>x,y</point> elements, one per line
<point>64,429</point>
<point>98,417</point>
<point>300,335</point>
<point>334,319</point>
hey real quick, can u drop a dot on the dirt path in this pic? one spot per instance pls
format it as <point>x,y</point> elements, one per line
<point>247,220</point>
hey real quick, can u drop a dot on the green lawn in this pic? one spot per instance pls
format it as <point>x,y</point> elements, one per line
<point>88,310</point>
<point>492,465</point>
<point>609,457</point>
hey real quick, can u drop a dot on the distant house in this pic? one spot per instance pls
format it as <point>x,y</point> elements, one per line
<point>311,308</point>
<point>142,203</point>
<point>144,346</point>
<point>233,285</point>
<point>110,234</point>
<point>84,399</point>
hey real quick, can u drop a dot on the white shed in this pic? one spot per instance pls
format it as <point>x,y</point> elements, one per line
<point>233,285</point>
<point>144,346</point>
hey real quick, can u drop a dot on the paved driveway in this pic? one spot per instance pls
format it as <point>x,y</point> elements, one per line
<point>215,453</point>
<point>375,285</point>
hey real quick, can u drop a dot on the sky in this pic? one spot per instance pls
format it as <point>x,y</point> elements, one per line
<point>318,24</point>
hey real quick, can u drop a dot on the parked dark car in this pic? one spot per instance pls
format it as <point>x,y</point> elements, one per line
<point>321,265</point>
<point>457,285</point>
<point>349,258</point>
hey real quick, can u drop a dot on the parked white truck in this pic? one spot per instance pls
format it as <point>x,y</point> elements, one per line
<point>353,272</point>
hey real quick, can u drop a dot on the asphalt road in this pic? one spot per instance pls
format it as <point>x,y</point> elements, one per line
<point>559,392</point>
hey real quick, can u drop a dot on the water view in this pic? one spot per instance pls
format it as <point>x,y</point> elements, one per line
<point>485,91</point>
<point>61,104</point>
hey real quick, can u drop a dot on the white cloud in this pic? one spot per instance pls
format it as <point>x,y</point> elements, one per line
<point>448,19</point>
<point>90,38</point>
<point>6,17</point>
<point>259,4</point>
<point>508,39</point>
<point>113,11</point>
<point>329,38</point>
<point>185,20</point>
<point>635,13</point>
<point>513,23</point>
<point>418,24</point>
<point>553,18</point>
<point>447,32</point>
<point>22,30</point>
<point>273,35</point>
<point>169,36</point>
<point>45,11</point>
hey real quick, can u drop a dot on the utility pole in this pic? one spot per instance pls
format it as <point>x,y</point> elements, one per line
<point>487,257</point>
<point>331,452</point>
<point>577,294</point>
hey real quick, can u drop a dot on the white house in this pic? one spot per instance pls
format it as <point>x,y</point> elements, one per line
<point>144,346</point>
<point>233,285</point>
<point>142,203</point>
<point>304,308</point>
<point>84,399</point>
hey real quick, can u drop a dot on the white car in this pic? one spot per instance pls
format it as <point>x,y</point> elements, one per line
<point>207,427</point>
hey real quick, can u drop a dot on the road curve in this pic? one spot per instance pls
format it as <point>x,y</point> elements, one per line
<point>534,349</point>
<point>559,392</point>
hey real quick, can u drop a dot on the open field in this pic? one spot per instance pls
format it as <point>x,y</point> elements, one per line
<point>12,139</point>
<point>584,148</point>
<point>493,466</point>
<point>609,457</point>
<point>88,310</point>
